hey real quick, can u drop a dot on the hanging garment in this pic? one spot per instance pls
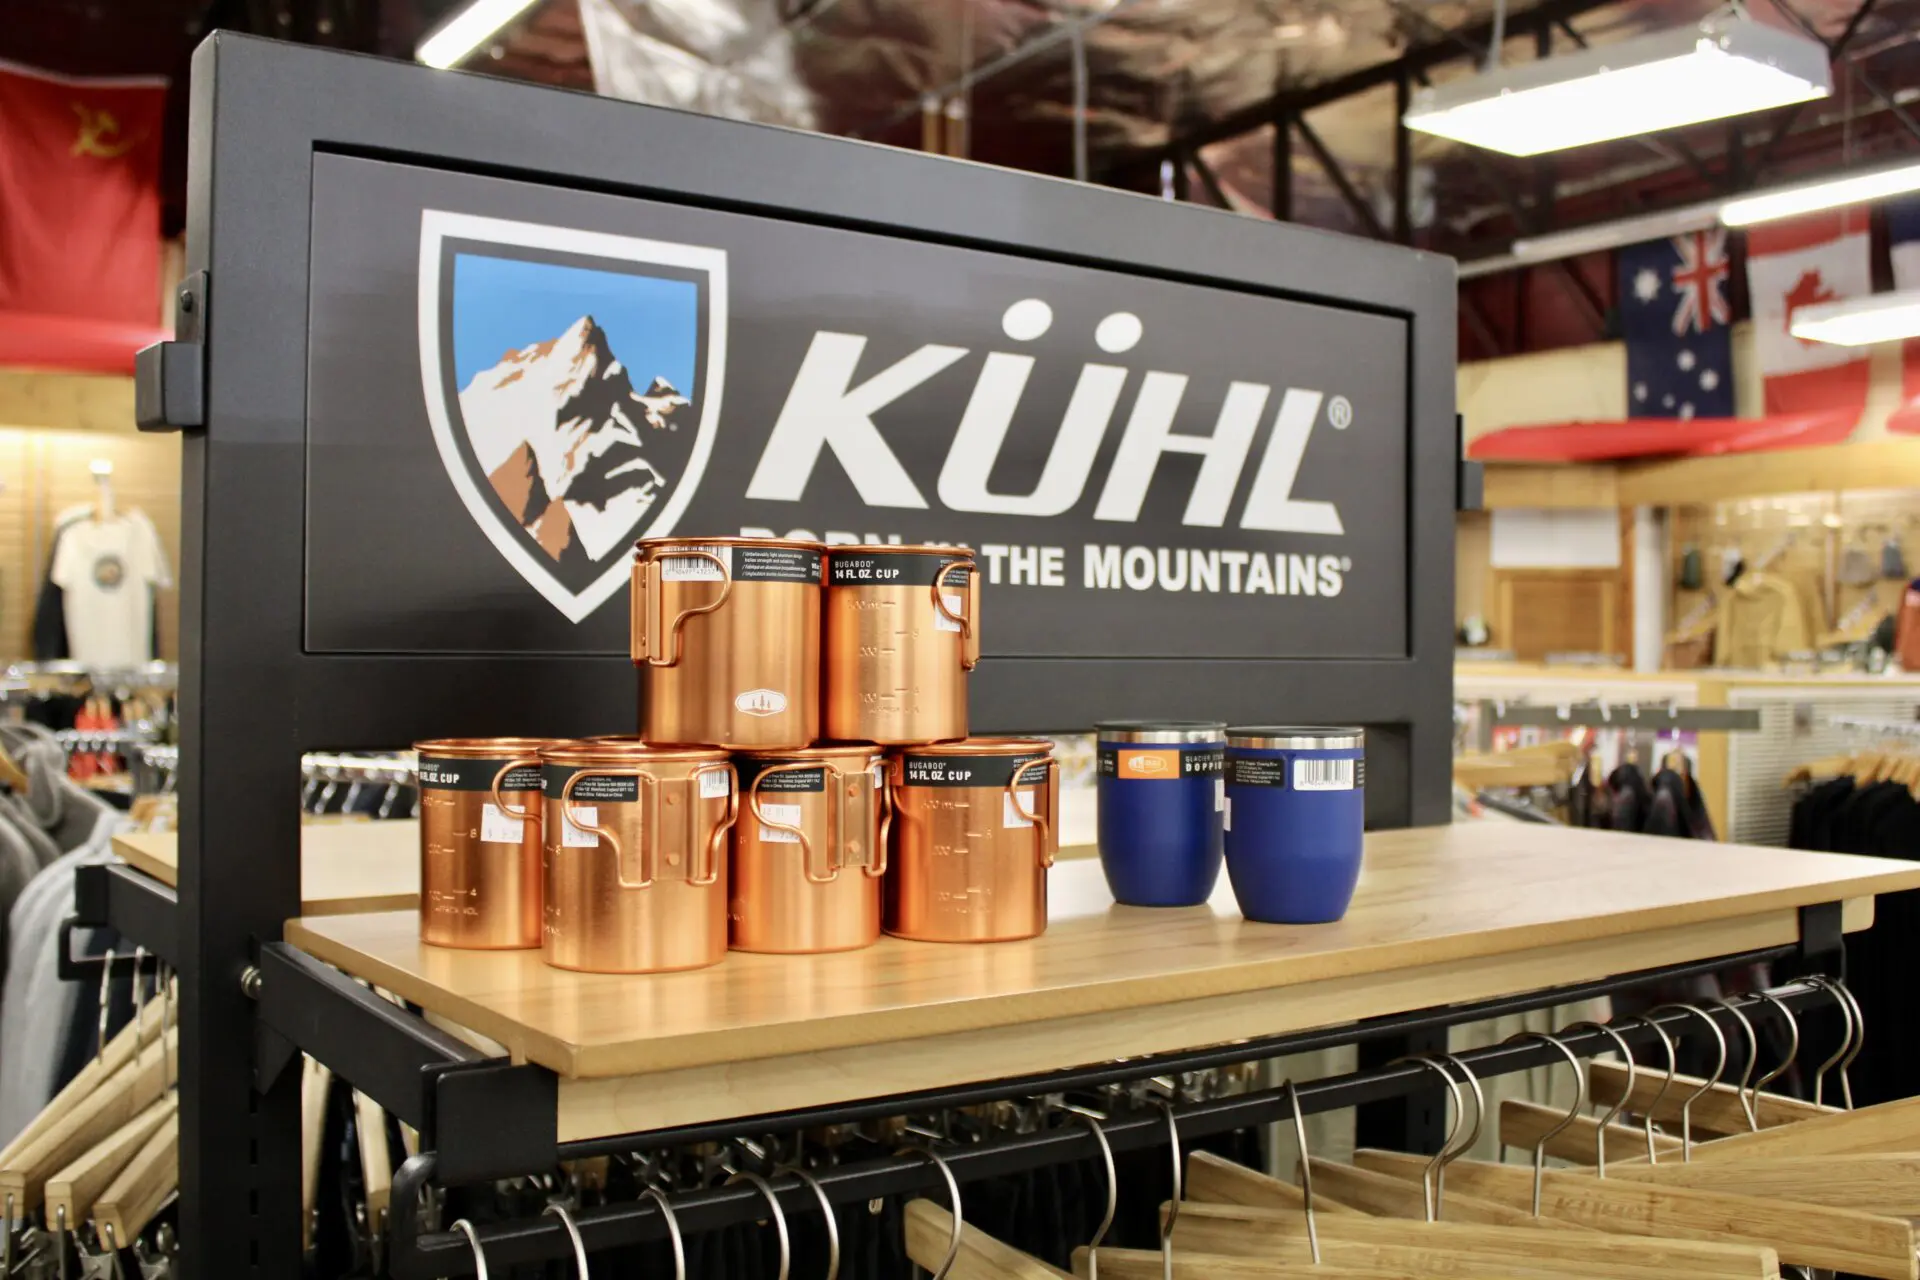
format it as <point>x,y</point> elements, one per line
<point>107,571</point>
<point>1893,561</point>
<point>1632,798</point>
<point>1857,568</point>
<point>1691,576</point>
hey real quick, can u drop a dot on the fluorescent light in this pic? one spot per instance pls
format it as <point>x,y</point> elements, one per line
<point>1811,197</point>
<point>461,34</point>
<point>1612,235</point>
<point>1720,68</point>
<point>1856,322</point>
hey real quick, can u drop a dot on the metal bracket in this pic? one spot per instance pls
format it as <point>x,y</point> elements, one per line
<point>169,382</point>
<point>1823,939</point>
<point>141,909</point>
<point>1470,478</point>
<point>493,1119</point>
<point>74,968</point>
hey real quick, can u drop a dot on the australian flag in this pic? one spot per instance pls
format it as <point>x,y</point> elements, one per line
<point>1675,318</point>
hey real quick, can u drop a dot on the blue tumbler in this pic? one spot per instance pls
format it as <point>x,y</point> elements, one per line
<point>1296,810</point>
<point>1160,802</point>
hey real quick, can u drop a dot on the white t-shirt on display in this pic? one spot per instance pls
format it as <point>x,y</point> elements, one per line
<point>107,570</point>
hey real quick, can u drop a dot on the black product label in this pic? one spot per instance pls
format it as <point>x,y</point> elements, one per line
<point>453,774</point>
<point>1256,771</point>
<point>756,772</point>
<point>1153,762</point>
<point>745,564</point>
<point>593,788</point>
<point>973,771</point>
<point>879,569</point>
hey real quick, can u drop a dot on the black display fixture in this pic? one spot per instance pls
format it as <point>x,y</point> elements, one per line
<point>1181,432</point>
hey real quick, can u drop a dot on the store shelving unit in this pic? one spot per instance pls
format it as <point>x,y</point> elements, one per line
<point>1450,926</point>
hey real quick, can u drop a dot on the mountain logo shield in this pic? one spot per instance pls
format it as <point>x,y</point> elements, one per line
<point>572,380</point>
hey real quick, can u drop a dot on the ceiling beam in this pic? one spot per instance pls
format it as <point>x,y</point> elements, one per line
<point>1344,184</point>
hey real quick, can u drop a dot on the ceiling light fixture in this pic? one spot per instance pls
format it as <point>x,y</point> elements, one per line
<point>1829,193</point>
<point>1723,67</point>
<point>1859,322</point>
<point>465,31</point>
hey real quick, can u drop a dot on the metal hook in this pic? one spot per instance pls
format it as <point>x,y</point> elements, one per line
<point>573,1233</point>
<point>1430,1185</point>
<point>1720,1069</point>
<point>779,1218</point>
<point>826,1211</point>
<point>1856,1037</point>
<point>1753,1060</point>
<point>473,1238</point>
<point>953,1206</point>
<point>1793,1044</point>
<point>1179,1191</point>
<point>673,1233</point>
<point>106,995</point>
<point>1633,1071</point>
<point>1573,1113</point>
<point>1846,1012</point>
<point>1113,1190</point>
<point>1479,1118</point>
<point>1673,1067</point>
<point>1306,1169</point>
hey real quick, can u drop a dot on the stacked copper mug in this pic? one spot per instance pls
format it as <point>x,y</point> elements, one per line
<point>801,781</point>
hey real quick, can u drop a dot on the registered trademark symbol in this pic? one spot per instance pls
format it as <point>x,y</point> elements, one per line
<point>1346,564</point>
<point>1340,413</point>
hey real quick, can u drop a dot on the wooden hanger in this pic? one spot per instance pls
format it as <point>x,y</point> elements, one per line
<point>376,1161</point>
<point>12,774</point>
<point>70,1193</point>
<point>123,1095</point>
<point>1716,1111</point>
<point>119,1051</point>
<point>1884,1184</point>
<point>1389,1197</point>
<point>929,1227</point>
<point>125,1208</point>
<point>1523,1124</point>
<point>1139,1264</point>
<point>316,1084</point>
<point>1213,1179</point>
<point>1887,1127</point>
<point>1802,1234</point>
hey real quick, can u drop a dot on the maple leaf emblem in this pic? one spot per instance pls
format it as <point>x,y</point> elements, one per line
<point>1807,290</point>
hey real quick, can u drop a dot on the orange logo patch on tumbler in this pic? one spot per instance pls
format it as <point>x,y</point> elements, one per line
<point>1150,764</point>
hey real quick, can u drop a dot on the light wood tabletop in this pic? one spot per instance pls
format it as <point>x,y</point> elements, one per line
<point>344,866</point>
<point>1444,914</point>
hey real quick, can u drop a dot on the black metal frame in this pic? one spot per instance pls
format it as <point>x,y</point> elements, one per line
<point>252,699</point>
<point>418,1254</point>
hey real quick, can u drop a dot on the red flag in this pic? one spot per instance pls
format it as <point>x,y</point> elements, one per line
<point>79,216</point>
<point>1797,264</point>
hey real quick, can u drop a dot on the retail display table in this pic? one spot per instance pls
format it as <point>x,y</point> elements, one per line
<point>1444,915</point>
<point>344,866</point>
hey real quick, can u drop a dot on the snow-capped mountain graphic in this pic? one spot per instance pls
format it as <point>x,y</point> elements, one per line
<point>573,452</point>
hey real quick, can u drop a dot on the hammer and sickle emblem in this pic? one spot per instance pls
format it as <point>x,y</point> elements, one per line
<point>100,134</point>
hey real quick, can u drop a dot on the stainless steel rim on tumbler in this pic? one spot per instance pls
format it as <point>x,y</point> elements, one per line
<point>1296,738</point>
<point>1162,733</point>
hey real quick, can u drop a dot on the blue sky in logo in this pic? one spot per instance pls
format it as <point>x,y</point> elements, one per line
<point>502,304</point>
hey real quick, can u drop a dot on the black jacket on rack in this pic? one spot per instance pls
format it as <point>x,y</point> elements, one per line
<point>1880,818</point>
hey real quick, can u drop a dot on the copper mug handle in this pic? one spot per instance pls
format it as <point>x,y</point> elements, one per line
<point>715,838</point>
<point>883,796</point>
<point>969,637</point>
<point>646,794</point>
<point>649,609</point>
<point>1041,826</point>
<point>829,779</point>
<point>500,801</point>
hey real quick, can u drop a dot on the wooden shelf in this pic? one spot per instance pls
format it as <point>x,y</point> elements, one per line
<point>1444,914</point>
<point>344,867</point>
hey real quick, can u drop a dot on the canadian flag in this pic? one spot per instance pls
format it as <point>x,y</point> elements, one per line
<point>1903,247</point>
<point>1797,264</point>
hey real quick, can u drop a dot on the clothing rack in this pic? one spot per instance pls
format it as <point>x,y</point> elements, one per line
<point>420,1253</point>
<point>1638,718</point>
<point>1884,728</point>
<point>150,675</point>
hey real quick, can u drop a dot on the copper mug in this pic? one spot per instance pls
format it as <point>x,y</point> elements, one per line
<point>480,842</point>
<point>809,857</point>
<point>902,632</point>
<point>976,826</point>
<point>726,633</point>
<point>636,855</point>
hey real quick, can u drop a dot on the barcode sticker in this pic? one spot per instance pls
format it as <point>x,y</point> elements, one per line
<point>715,785</point>
<point>1226,812</point>
<point>1323,775</point>
<point>955,604</point>
<point>1219,795</point>
<point>695,568</point>
<point>1011,815</point>
<point>787,813</point>
<point>497,826</point>
<point>571,836</point>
